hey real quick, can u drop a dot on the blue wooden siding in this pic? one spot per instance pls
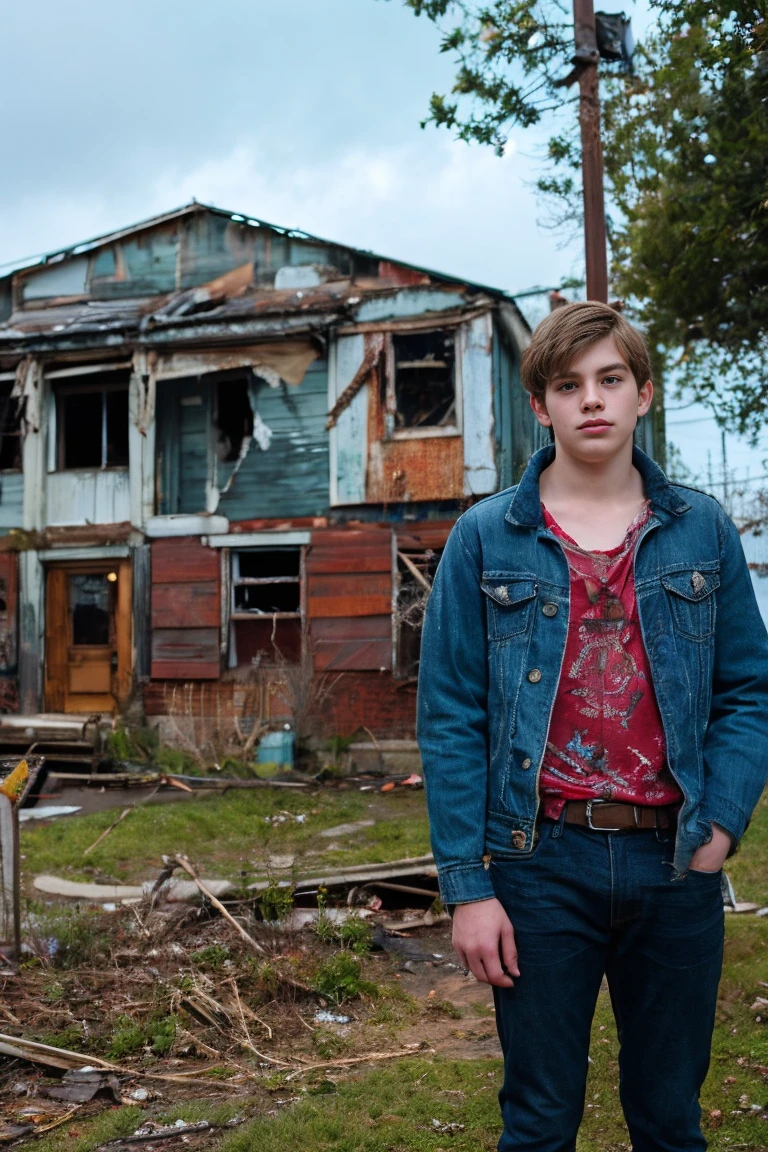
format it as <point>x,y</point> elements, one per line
<point>182,445</point>
<point>516,427</point>
<point>11,500</point>
<point>291,477</point>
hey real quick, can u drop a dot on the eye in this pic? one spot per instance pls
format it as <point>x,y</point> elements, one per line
<point>568,386</point>
<point>612,380</point>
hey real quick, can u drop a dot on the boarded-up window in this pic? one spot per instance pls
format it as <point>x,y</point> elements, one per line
<point>349,598</point>
<point>267,606</point>
<point>186,610</point>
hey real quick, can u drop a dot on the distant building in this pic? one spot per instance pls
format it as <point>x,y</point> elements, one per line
<point>219,436</point>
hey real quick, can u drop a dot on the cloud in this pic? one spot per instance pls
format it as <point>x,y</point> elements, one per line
<point>446,205</point>
<point>449,206</point>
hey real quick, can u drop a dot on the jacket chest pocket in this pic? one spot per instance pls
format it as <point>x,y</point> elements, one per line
<point>509,604</point>
<point>691,595</point>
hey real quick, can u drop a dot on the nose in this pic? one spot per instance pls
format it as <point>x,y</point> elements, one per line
<point>591,400</point>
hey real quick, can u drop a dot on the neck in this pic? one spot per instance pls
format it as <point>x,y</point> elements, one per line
<point>599,482</point>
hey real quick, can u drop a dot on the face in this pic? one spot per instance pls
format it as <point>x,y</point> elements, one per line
<point>594,406</point>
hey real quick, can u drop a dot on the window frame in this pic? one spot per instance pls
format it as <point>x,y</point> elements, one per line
<point>64,391</point>
<point>259,581</point>
<point>429,431</point>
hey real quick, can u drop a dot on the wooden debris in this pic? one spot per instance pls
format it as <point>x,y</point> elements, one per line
<point>30,1050</point>
<point>155,1132</point>
<point>183,862</point>
<point>23,1049</point>
<point>106,832</point>
<point>409,1050</point>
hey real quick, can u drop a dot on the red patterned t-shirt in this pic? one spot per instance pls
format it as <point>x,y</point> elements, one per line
<point>606,739</point>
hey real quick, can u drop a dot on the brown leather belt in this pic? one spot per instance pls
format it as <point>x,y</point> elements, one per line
<point>612,816</point>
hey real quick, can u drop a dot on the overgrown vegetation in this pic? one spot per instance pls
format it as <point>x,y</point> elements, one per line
<point>179,982</point>
<point>685,142</point>
<point>233,836</point>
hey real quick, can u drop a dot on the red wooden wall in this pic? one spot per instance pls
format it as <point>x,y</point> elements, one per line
<point>186,610</point>
<point>349,598</point>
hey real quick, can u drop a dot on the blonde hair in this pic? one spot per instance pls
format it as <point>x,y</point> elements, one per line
<point>568,331</point>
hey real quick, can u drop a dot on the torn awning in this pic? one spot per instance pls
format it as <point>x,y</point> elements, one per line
<point>288,359</point>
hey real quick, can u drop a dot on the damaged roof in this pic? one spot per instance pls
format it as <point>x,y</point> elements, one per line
<point>200,273</point>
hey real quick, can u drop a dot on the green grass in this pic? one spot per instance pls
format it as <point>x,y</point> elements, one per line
<point>226,835</point>
<point>391,1109</point>
<point>79,1135</point>
<point>748,869</point>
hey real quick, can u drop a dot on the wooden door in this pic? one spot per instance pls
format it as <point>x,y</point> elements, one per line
<point>88,637</point>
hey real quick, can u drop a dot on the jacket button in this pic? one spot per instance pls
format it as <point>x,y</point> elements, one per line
<point>550,609</point>
<point>526,764</point>
<point>518,840</point>
<point>534,675</point>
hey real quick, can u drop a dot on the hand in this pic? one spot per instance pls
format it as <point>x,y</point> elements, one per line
<point>485,942</point>
<point>711,857</point>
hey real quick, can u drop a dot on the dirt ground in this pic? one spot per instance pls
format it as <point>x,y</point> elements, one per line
<point>193,1019</point>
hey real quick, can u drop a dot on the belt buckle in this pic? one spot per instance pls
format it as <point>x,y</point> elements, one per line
<point>590,806</point>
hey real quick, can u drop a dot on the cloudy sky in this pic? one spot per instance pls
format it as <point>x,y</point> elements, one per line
<point>301,112</point>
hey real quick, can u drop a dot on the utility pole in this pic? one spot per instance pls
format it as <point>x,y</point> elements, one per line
<point>586,60</point>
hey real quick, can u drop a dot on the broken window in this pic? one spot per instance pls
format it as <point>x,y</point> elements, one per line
<point>267,606</point>
<point>415,573</point>
<point>234,417</point>
<point>10,430</point>
<point>92,423</point>
<point>422,381</point>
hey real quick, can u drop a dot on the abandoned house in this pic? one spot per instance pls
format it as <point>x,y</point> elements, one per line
<point>225,444</point>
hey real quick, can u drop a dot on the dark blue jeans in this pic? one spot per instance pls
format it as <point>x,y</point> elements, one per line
<point>587,904</point>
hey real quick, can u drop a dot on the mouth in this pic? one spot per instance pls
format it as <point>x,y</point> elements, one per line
<point>595,424</point>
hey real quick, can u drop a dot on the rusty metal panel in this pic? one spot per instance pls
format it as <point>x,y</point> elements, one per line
<point>405,470</point>
<point>418,468</point>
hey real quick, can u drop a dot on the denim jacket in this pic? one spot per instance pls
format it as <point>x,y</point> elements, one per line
<point>492,650</point>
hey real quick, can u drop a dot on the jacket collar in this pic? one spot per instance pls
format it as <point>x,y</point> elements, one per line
<point>525,509</point>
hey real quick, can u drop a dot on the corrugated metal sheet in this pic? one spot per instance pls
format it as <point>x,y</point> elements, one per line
<point>409,302</point>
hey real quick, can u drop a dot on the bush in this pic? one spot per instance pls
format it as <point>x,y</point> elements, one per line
<point>275,901</point>
<point>340,977</point>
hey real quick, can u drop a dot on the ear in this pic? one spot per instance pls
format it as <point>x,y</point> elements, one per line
<point>539,410</point>
<point>644,398</point>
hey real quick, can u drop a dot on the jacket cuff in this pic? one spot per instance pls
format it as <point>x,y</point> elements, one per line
<point>718,810</point>
<point>465,884</point>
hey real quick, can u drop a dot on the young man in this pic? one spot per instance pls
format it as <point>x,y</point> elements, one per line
<point>593,721</point>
